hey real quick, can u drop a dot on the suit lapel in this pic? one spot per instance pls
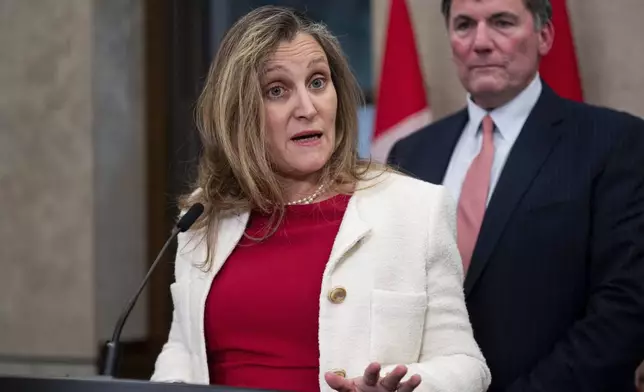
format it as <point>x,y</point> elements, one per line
<point>438,151</point>
<point>530,151</point>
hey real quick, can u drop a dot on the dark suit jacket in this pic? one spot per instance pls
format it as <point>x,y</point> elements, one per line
<point>555,290</point>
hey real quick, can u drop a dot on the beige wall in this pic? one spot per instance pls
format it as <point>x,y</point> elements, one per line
<point>72,180</point>
<point>609,36</point>
<point>45,155</point>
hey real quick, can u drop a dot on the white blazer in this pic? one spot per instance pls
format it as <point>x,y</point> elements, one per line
<point>395,257</point>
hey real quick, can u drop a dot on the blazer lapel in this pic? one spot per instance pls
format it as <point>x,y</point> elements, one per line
<point>229,233</point>
<point>352,229</point>
<point>231,229</point>
<point>531,149</point>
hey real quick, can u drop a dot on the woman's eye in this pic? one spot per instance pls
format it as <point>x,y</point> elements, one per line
<point>318,83</point>
<point>275,92</point>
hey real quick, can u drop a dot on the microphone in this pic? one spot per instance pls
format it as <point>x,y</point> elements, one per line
<point>111,357</point>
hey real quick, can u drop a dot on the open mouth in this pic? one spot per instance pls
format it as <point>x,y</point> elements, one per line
<point>304,137</point>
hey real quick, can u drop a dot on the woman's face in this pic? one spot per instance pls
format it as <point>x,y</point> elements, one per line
<point>300,104</point>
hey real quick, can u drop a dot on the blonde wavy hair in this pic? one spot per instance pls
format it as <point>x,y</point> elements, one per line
<point>235,173</point>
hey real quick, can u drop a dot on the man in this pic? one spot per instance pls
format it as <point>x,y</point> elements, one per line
<point>550,211</point>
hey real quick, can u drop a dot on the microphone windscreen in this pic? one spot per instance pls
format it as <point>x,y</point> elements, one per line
<point>194,212</point>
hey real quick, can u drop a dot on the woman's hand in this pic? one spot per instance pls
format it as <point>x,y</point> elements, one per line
<point>372,382</point>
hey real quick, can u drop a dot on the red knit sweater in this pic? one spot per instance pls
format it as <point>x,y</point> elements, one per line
<point>261,316</point>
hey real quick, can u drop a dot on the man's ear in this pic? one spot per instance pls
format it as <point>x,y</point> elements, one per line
<point>546,38</point>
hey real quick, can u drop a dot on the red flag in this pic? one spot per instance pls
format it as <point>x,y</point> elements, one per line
<point>401,106</point>
<point>559,67</point>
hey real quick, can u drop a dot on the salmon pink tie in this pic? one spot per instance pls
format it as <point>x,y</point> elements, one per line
<point>471,204</point>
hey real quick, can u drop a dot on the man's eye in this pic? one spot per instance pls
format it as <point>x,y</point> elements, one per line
<point>503,23</point>
<point>462,25</point>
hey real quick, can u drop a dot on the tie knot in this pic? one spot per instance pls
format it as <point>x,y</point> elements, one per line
<point>488,126</point>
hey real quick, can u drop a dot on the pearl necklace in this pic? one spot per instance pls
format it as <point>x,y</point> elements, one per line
<point>309,199</point>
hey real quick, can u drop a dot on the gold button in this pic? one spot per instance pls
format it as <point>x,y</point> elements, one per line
<point>337,295</point>
<point>340,372</point>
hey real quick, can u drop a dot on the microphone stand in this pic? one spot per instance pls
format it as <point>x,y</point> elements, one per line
<point>112,346</point>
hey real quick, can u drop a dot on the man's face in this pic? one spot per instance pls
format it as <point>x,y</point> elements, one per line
<point>496,48</point>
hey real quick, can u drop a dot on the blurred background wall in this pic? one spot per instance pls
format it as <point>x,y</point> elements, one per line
<point>72,179</point>
<point>97,140</point>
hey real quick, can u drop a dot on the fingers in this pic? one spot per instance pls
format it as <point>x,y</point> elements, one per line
<point>338,383</point>
<point>391,381</point>
<point>411,384</point>
<point>371,374</point>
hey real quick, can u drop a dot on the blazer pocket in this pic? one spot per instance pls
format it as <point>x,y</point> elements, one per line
<point>180,300</point>
<point>397,324</point>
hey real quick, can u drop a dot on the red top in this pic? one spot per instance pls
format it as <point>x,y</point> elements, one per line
<point>261,316</point>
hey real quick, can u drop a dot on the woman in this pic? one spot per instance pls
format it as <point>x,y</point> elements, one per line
<point>310,270</point>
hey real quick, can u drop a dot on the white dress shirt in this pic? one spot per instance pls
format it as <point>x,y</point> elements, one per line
<point>508,120</point>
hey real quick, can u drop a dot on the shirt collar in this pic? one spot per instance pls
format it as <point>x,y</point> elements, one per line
<point>509,118</point>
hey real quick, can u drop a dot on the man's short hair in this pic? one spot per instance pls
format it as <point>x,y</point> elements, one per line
<point>541,11</point>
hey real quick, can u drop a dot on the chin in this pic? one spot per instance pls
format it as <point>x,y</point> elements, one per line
<point>310,168</point>
<point>487,83</point>
<point>483,87</point>
<point>304,169</point>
